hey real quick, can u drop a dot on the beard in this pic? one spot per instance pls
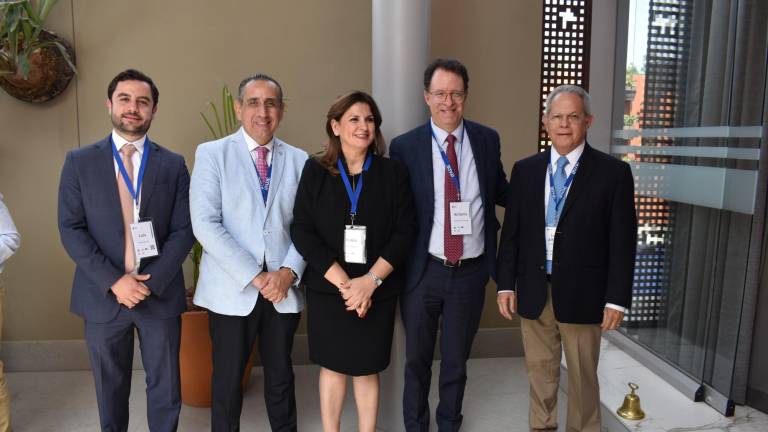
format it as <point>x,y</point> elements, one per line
<point>132,129</point>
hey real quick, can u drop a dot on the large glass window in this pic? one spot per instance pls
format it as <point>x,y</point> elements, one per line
<point>693,105</point>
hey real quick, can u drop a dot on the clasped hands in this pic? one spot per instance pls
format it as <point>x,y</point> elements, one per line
<point>130,290</point>
<point>357,294</point>
<point>273,286</point>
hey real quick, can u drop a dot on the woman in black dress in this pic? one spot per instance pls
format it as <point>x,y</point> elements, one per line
<point>353,221</point>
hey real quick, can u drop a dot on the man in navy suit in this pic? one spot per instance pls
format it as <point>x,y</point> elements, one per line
<point>124,220</point>
<point>457,180</point>
<point>566,259</point>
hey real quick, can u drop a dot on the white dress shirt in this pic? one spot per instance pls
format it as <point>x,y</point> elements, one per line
<point>474,244</point>
<point>252,144</point>
<point>136,159</point>
<point>572,157</point>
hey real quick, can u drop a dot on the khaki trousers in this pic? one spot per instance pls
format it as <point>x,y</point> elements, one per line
<point>5,398</point>
<point>544,341</point>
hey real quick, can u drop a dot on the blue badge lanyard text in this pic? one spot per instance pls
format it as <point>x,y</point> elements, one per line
<point>142,168</point>
<point>454,178</point>
<point>354,195</point>
<point>558,200</point>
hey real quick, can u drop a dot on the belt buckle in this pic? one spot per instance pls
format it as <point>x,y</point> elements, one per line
<point>448,264</point>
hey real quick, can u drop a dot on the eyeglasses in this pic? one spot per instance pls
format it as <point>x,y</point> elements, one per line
<point>442,96</point>
<point>570,118</point>
<point>269,104</point>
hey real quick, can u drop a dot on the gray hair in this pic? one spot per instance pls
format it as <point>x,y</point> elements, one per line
<point>568,88</point>
<point>259,77</point>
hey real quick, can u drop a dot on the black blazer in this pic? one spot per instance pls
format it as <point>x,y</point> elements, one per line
<point>322,209</point>
<point>414,148</point>
<point>594,252</point>
<point>91,229</point>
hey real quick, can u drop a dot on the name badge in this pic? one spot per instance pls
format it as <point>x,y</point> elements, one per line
<point>550,236</point>
<point>354,244</point>
<point>144,243</point>
<point>461,218</point>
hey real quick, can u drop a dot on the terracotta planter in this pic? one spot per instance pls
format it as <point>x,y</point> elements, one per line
<point>49,73</point>
<point>195,360</point>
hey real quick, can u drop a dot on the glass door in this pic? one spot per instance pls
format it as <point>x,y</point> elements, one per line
<point>692,106</point>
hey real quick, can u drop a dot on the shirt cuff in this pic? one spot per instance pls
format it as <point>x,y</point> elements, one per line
<point>616,307</point>
<point>502,291</point>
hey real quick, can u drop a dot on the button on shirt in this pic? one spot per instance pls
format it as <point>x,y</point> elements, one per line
<point>135,158</point>
<point>9,236</point>
<point>474,244</point>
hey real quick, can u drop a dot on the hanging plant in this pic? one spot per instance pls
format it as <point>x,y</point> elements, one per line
<point>36,65</point>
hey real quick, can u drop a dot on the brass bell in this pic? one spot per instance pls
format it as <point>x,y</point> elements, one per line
<point>630,409</point>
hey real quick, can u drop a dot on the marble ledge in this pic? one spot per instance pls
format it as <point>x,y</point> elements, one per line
<point>666,409</point>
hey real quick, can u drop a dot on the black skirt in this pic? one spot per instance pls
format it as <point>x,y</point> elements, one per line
<point>344,343</point>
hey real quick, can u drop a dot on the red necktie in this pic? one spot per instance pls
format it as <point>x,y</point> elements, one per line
<point>263,169</point>
<point>454,245</point>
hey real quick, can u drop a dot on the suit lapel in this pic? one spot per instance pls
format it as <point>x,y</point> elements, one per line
<point>478,154</point>
<point>154,166</point>
<point>278,167</point>
<point>424,154</point>
<point>243,157</point>
<point>538,191</point>
<point>580,180</point>
<point>106,169</point>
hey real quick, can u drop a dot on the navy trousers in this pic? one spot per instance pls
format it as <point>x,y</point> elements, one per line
<point>110,347</point>
<point>451,299</point>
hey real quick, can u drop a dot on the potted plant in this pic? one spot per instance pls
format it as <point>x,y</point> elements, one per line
<point>36,65</point>
<point>195,356</point>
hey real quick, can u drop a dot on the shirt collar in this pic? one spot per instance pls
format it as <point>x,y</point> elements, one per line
<point>252,144</point>
<point>441,134</point>
<point>572,157</point>
<point>120,142</point>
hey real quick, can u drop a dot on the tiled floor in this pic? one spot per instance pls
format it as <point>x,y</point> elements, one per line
<point>495,400</point>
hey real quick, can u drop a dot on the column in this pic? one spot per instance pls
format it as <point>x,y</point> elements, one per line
<point>401,33</point>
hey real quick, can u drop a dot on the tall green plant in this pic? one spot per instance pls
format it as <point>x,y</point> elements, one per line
<point>21,25</point>
<point>225,118</point>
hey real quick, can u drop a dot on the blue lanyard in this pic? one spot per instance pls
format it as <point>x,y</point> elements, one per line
<point>559,199</point>
<point>448,168</point>
<point>354,195</point>
<point>121,167</point>
<point>264,183</point>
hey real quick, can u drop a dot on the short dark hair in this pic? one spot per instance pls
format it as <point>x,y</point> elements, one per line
<point>259,77</point>
<point>133,75</point>
<point>450,65</point>
<point>336,112</point>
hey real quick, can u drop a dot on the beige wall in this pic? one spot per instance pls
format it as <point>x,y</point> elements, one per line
<point>317,50</point>
<point>500,43</point>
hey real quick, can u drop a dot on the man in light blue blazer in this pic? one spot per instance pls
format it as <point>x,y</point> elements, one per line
<point>241,199</point>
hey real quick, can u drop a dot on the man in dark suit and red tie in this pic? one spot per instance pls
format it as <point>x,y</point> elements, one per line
<point>457,180</point>
<point>124,220</point>
<point>566,259</point>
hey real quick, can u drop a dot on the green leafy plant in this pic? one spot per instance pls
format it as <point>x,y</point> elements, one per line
<point>21,34</point>
<point>224,118</point>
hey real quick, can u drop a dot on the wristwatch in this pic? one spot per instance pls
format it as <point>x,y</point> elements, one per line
<point>376,279</point>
